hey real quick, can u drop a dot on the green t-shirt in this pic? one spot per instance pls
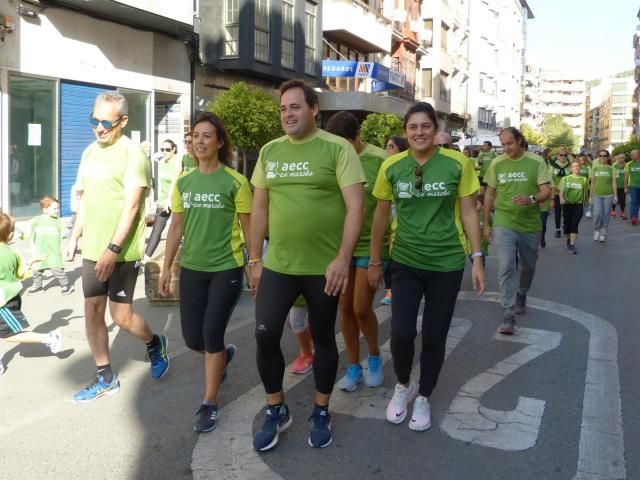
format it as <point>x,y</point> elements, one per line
<point>484,159</point>
<point>633,169</point>
<point>12,270</point>
<point>188,163</point>
<point>304,179</point>
<point>428,232</point>
<point>371,158</point>
<point>517,177</point>
<point>559,170</point>
<point>603,184</point>
<point>46,238</point>
<point>211,227</point>
<point>167,172</point>
<point>104,175</point>
<point>574,189</point>
<point>585,171</point>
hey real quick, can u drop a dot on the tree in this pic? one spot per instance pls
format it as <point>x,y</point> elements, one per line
<point>252,118</point>
<point>557,132</point>
<point>627,147</point>
<point>378,127</point>
<point>532,136</point>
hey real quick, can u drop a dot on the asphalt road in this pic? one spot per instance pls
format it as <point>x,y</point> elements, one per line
<point>558,401</point>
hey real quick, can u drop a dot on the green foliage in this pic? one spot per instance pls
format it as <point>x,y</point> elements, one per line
<point>532,136</point>
<point>378,127</point>
<point>557,132</point>
<point>627,147</point>
<point>625,74</point>
<point>251,116</point>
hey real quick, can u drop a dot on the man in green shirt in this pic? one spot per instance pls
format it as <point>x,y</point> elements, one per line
<point>517,183</point>
<point>632,184</point>
<point>484,160</point>
<point>309,199</point>
<point>114,179</point>
<point>188,159</point>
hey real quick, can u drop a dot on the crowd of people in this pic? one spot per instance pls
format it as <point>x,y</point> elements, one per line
<point>325,220</point>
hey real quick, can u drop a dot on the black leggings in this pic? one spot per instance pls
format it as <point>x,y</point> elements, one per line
<point>622,200</point>
<point>276,294</point>
<point>572,213</point>
<point>557,210</point>
<point>440,290</point>
<point>156,231</point>
<point>543,218</point>
<point>207,300</point>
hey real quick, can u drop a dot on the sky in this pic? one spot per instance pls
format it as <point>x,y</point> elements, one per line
<point>593,38</point>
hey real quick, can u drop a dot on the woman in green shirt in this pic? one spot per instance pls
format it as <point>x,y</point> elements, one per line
<point>434,191</point>
<point>573,192</point>
<point>621,196</point>
<point>602,194</point>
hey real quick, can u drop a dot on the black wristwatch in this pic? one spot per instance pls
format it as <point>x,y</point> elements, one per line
<point>114,248</point>
<point>533,199</point>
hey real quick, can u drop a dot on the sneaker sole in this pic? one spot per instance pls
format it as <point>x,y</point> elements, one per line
<point>417,428</point>
<point>106,393</point>
<point>372,384</point>
<point>203,430</point>
<point>302,372</point>
<point>506,331</point>
<point>274,442</point>
<point>351,390</point>
<point>397,420</point>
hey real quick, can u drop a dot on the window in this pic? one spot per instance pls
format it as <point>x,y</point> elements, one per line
<point>427,37</point>
<point>310,38</point>
<point>444,86</point>
<point>444,35</point>
<point>261,30</point>
<point>231,28</point>
<point>288,7</point>
<point>486,119</point>
<point>427,82</point>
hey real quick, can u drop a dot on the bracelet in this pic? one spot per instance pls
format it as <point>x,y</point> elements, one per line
<point>254,261</point>
<point>477,254</point>
<point>375,264</point>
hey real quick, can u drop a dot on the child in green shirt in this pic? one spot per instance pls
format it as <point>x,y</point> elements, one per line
<point>12,321</point>
<point>46,246</point>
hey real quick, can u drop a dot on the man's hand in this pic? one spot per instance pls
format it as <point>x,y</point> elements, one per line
<point>487,232</point>
<point>164,282</point>
<point>70,250</point>
<point>521,200</point>
<point>375,276</point>
<point>255,272</point>
<point>478,276</point>
<point>105,265</point>
<point>337,276</point>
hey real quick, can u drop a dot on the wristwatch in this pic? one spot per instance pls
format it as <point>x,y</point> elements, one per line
<point>533,199</point>
<point>114,248</point>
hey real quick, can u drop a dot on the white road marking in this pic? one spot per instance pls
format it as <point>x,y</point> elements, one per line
<point>601,448</point>
<point>467,420</point>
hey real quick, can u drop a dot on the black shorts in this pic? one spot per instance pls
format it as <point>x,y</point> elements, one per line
<point>12,320</point>
<point>120,285</point>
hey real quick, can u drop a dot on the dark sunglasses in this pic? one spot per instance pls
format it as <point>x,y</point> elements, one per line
<point>443,145</point>
<point>166,149</point>
<point>418,174</point>
<point>604,156</point>
<point>105,123</point>
<point>562,154</point>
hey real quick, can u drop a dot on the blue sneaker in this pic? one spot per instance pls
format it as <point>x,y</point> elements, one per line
<point>375,375</point>
<point>97,388</point>
<point>158,357</point>
<point>231,350</point>
<point>320,435</point>
<point>349,383</point>
<point>278,419</point>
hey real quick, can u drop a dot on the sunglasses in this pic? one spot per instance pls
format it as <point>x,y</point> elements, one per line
<point>418,174</point>
<point>443,145</point>
<point>604,156</point>
<point>106,124</point>
<point>562,154</point>
<point>166,149</point>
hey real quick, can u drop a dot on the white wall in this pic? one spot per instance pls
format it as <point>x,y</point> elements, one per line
<point>180,10</point>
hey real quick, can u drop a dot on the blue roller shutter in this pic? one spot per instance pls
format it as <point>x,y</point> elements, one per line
<point>76,104</point>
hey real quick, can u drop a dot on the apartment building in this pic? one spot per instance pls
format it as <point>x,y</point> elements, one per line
<point>497,58</point>
<point>56,56</point>
<point>609,119</point>
<point>531,102</point>
<point>636,93</point>
<point>564,94</point>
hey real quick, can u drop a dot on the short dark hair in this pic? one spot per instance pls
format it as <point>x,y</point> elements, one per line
<point>487,142</point>
<point>399,142</point>
<point>226,152</point>
<point>344,124</point>
<point>421,107</point>
<point>47,200</point>
<point>7,225</point>
<point>517,134</point>
<point>310,95</point>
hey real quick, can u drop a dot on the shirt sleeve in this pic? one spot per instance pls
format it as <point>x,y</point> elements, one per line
<point>490,175</point>
<point>259,178</point>
<point>139,169</point>
<point>543,173</point>
<point>383,189</point>
<point>469,181</point>
<point>176,199</point>
<point>349,168</point>
<point>243,196</point>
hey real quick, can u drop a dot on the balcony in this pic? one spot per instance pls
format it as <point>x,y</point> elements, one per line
<point>354,23</point>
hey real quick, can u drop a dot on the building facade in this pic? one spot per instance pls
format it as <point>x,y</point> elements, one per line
<point>636,93</point>
<point>56,58</point>
<point>563,94</point>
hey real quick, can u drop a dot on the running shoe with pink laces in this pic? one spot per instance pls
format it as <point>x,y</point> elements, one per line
<point>397,408</point>
<point>303,364</point>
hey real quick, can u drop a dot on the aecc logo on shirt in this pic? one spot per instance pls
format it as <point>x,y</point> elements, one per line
<point>512,177</point>
<point>201,200</point>
<point>288,169</point>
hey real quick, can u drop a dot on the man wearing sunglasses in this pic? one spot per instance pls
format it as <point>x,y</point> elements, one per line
<point>114,179</point>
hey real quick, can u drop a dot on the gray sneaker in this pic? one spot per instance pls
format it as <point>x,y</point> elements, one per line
<point>508,324</point>
<point>521,304</point>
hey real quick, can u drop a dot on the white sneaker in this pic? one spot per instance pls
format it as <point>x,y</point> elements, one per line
<point>596,236</point>
<point>397,408</point>
<point>421,418</point>
<point>603,238</point>
<point>54,342</point>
